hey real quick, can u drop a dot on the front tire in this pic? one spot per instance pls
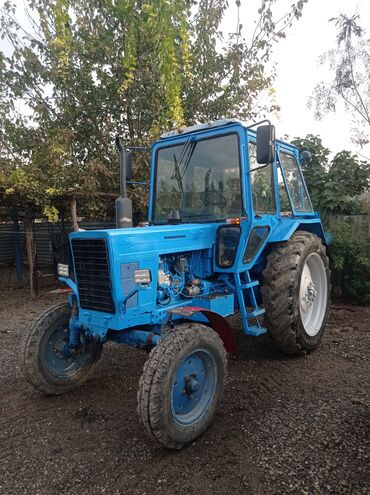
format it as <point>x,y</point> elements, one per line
<point>44,364</point>
<point>182,384</point>
<point>296,293</point>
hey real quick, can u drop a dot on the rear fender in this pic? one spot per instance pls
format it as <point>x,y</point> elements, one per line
<point>287,227</point>
<point>217,322</point>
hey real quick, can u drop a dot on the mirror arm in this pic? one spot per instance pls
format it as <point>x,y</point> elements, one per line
<point>137,148</point>
<point>258,168</point>
<point>258,123</point>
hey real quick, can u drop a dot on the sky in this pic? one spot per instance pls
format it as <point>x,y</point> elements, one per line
<point>298,70</point>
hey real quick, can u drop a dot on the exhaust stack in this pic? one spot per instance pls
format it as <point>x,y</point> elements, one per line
<point>123,203</point>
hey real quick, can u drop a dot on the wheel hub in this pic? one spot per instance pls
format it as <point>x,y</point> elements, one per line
<point>310,294</point>
<point>62,360</point>
<point>313,294</point>
<point>193,386</point>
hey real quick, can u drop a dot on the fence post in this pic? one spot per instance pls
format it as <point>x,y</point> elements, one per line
<point>31,255</point>
<point>17,248</point>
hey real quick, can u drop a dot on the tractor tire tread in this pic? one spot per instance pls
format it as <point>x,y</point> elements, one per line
<point>279,290</point>
<point>30,355</point>
<point>155,369</point>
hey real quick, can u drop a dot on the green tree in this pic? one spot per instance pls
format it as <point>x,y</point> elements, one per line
<point>84,71</point>
<point>315,172</point>
<point>351,261</point>
<point>335,184</point>
<point>228,74</point>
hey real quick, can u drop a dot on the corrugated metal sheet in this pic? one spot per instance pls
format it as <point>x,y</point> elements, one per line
<point>7,249</point>
<point>45,234</point>
<point>42,237</point>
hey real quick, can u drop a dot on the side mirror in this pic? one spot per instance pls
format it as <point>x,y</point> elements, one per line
<point>265,144</point>
<point>305,157</point>
<point>128,165</point>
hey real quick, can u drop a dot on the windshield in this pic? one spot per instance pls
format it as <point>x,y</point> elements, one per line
<point>198,181</point>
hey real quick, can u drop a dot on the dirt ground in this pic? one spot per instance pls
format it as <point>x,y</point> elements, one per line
<point>298,425</point>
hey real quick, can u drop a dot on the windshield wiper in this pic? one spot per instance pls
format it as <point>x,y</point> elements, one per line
<point>177,175</point>
<point>192,144</point>
<point>185,157</point>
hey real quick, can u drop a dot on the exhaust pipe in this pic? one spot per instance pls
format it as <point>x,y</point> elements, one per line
<point>123,203</point>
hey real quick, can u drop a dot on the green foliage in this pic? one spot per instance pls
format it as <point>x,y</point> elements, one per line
<point>315,172</point>
<point>87,70</point>
<point>263,197</point>
<point>351,260</point>
<point>335,184</point>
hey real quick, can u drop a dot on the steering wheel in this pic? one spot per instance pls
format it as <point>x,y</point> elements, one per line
<point>213,198</point>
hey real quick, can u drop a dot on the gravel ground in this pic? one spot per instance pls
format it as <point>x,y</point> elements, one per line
<point>286,425</point>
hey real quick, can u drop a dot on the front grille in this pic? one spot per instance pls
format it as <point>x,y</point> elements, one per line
<point>92,274</point>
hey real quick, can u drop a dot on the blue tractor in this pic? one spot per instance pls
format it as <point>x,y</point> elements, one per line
<point>230,229</point>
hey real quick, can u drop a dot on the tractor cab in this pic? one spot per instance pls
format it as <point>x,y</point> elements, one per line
<point>225,170</point>
<point>229,173</point>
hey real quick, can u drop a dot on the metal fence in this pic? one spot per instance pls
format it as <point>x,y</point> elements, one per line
<point>45,234</point>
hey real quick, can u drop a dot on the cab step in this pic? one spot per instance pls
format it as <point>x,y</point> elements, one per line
<point>255,330</point>
<point>255,313</point>
<point>244,286</point>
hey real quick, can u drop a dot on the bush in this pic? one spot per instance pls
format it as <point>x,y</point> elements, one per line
<point>350,256</point>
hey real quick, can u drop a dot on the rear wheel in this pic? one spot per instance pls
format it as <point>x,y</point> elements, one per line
<point>181,385</point>
<point>296,291</point>
<point>45,363</point>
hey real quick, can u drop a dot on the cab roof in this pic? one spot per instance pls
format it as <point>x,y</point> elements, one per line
<point>215,125</point>
<point>202,127</point>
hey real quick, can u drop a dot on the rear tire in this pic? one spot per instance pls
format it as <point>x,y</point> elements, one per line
<point>182,384</point>
<point>296,293</point>
<point>43,362</point>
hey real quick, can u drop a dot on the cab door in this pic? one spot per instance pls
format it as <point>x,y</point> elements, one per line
<point>295,186</point>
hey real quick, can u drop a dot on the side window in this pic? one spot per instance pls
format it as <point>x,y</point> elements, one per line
<point>256,238</point>
<point>283,195</point>
<point>294,182</point>
<point>227,244</point>
<point>262,184</point>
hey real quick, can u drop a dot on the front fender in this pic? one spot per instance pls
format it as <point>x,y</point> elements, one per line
<point>69,283</point>
<point>217,322</point>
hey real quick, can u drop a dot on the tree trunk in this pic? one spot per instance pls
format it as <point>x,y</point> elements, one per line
<point>31,256</point>
<point>74,214</point>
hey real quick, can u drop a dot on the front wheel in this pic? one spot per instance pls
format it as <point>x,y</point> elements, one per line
<point>296,293</point>
<point>181,385</point>
<point>45,363</point>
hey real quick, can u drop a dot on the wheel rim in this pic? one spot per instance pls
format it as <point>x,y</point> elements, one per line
<point>193,387</point>
<point>56,361</point>
<point>313,294</point>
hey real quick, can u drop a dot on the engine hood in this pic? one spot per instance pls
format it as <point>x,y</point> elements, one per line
<point>153,240</point>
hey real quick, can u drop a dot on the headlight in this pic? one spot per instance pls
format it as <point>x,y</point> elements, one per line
<point>63,270</point>
<point>142,276</point>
